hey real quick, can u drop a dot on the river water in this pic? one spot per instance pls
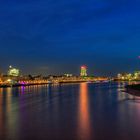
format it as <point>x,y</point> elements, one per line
<point>84,111</point>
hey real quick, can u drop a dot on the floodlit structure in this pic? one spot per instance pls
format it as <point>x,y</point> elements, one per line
<point>129,76</point>
<point>137,75</point>
<point>68,75</point>
<point>13,71</point>
<point>83,71</point>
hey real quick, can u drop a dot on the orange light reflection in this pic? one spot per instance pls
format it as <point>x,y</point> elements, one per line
<point>84,127</point>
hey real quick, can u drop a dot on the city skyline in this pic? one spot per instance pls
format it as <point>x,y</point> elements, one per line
<point>52,37</point>
<point>69,69</point>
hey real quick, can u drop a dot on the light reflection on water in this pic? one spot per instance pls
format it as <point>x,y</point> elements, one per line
<point>69,111</point>
<point>84,123</point>
<point>8,121</point>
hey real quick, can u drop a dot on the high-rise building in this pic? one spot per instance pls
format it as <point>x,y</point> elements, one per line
<point>83,71</point>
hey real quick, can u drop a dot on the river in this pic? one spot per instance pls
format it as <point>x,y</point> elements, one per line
<point>84,111</point>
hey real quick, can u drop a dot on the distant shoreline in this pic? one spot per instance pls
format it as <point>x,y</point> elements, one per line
<point>26,85</point>
<point>47,83</point>
<point>20,85</point>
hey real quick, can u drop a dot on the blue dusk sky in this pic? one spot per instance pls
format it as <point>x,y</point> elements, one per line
<point>58,36</point>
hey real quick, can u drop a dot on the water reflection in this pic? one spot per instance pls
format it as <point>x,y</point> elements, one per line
<point>68,112</point>
<point>84,127</point>
<point>1,111</point>
<point>8,115</point>
<point>22,89</point>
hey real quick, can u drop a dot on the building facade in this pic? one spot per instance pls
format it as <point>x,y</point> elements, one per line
<point>13,72</point>
<point>83,72</point>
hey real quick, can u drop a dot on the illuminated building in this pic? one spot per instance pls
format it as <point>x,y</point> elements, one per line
<point>119,76</point>
<point>129,76</point>
<point>68,75</point>
<point>137,75</point>
<point>13,71</point>
<point>83,71</point>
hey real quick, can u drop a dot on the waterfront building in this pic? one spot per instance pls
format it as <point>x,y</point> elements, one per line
<point>137,75</point>
<point>83,71</point>
<point>129,76</point>
<point>68,75</point>
<point>125,76</point>
<point>13,72</point>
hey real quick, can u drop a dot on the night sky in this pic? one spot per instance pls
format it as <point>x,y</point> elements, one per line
<point>58,36</point>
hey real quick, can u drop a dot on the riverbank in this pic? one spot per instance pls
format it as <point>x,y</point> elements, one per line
<point>49,82</point>
<point>20,85</point>
<point>31,84</point>
<point>133,89</point>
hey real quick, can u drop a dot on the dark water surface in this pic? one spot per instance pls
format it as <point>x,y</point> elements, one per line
<point>69,112</point>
